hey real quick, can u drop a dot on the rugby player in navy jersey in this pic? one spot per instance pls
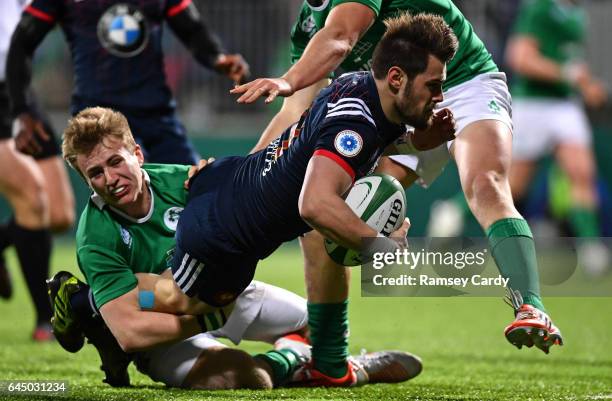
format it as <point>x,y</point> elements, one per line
<point>118,63</point>
<point>240,209</point>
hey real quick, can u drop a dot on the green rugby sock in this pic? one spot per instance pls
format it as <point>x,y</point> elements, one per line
<point>329,336</point>
<point>584,222</point>
<point>513,249</point>
<point>283,363</point>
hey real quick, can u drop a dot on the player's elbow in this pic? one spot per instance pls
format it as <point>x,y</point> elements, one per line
<point>308,209</point>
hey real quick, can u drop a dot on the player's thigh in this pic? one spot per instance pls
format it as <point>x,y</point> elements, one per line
<point>483,152</point>
<point>401,171</point>
<point>22,183</point>
<point>281,312</point>
<point>59,192</point>
<point>198,362</point>
<point>164,138</point>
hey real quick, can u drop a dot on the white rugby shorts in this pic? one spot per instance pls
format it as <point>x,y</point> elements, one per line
<point>263,312</point>
<point>484,97</point>
<point>542,124</point>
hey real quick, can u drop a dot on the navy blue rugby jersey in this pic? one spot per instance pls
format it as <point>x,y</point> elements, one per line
<point>116,49</point>
<point>258,206</point>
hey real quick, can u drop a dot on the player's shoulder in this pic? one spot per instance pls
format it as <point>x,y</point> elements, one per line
<point>97,227</point>
<point>166,173</point>
<point>351,98</point>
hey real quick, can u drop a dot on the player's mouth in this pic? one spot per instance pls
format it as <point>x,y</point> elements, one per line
<point>119,192</point>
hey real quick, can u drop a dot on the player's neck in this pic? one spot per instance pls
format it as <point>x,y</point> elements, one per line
<point>387,101</point>
<point>141,205</point>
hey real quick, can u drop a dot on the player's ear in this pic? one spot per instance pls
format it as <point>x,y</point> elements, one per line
<point>139,155</point>
<point>395,77</point>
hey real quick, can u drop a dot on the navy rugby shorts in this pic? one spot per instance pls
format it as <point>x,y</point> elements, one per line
<point>206,262</point>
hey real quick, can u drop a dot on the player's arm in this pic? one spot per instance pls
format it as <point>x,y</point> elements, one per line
<point>524,57</point>
<point>138,330</point>
<point>27,36</point>
<point>290,112</point>
<point>321,204</point>
<point>345,24</point>
<point>186,22</point>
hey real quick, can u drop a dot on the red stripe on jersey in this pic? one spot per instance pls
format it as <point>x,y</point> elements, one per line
<point>40,14</point>
<point>178,8</point>
<point>340,161</point>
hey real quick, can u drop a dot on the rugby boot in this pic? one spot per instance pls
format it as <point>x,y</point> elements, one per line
<point>115,361</point>
<point>385,367</point>
<point>65,326</point>
<point>531,326</point>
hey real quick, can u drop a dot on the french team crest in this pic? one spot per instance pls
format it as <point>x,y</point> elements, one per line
<point>348,143</point>
<point>123,30</point>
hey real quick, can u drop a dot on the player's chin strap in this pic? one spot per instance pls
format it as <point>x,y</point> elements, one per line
<point>514,299</point>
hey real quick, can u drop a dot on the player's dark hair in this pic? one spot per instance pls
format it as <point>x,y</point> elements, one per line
<point>89,128</point>
<point>408,42</point>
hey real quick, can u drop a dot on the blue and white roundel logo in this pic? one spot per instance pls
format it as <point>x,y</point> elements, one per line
<point>123,30</point>
<point>348,143</point>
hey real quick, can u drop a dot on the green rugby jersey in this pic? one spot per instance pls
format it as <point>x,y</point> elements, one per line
<point>559,28</point>
<point>111,247</point>
<point>472,57</point>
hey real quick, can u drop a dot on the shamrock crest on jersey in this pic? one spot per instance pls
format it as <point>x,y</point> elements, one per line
<point>171,217</point>
<point>123,30</point>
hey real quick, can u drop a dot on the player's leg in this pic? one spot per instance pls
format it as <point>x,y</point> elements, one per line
<point>164,138</point>
<point>484,179</point>
<point>327,286</point>
<point>520,175</point>
<point>22,184</point>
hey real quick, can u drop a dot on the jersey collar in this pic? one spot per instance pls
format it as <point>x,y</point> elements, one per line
<point>99,202</point>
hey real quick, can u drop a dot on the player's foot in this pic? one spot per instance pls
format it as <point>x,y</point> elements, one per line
<point>308,376</point>
<point>65,327</point>
<point>385,367</point>
<point>445,219</point>
<point>42,333</point>
<point>6,287</point>
<point>532,327</point>
<point>297,343</point>
<point>114,360</point>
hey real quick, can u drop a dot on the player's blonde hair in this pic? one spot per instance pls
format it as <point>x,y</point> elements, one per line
<point>408,42</point>
<point>91,127</point>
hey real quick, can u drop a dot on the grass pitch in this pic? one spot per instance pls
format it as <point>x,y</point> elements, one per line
<point>465,354</point>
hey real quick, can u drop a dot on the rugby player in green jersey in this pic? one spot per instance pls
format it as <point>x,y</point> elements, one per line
<point>546,52</point>
<point>124,237</point>
<point>343,33</point>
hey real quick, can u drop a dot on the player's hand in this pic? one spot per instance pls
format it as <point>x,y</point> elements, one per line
<point>233,66</point>
<point>594,94</point>
<point>270,87</point>
<point>28,129</point>
<point>193,170</point>
<point>441,131</point>
<point>401,233</point>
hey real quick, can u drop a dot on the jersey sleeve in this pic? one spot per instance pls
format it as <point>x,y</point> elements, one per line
<point>46,10</point>
<point>174,7</point>
<point>350,142</point>
<point>106,272</point>
<point>302,31</point>
<point>373,4</point>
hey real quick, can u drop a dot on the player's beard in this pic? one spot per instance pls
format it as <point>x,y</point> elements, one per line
<point>420,119</point>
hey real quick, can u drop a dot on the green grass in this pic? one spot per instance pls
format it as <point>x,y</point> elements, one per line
<point>465,355</point>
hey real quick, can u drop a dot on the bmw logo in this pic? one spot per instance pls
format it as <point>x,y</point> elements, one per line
<point>123,30</point>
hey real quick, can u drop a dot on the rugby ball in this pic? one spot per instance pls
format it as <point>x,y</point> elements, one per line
<point>380,201</point>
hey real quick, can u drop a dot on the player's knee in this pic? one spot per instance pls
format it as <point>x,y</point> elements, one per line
<point>486,183</point>
<point>31,202</point>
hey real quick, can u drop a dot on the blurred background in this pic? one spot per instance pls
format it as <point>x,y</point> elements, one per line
<point>259,30</point>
